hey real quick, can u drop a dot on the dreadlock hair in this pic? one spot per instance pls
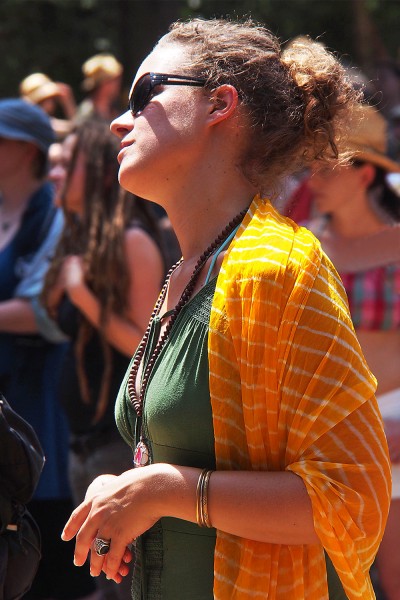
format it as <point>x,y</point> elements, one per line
<point>98,237</point>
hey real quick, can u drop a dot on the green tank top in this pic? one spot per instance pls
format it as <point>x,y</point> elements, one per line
<point>175,558</point>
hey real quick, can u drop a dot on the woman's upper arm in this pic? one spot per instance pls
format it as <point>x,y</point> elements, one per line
<point>145,266</point>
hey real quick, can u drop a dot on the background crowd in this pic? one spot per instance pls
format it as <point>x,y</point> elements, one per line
<point>81,264</point>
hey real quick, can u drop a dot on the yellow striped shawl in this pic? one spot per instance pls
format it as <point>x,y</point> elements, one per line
<point>290,390</point>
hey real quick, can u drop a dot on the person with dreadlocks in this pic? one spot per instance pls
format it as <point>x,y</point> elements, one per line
<point>101,288</point>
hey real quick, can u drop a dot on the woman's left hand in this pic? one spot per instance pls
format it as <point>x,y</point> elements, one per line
<point>120,511</point>
<point>73,275</point>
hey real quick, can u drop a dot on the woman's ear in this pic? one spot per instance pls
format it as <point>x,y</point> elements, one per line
<point>223,103</point>
<point>368,174</point>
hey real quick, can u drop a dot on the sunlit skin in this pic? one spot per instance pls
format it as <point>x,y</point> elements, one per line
<point>183,150</point>
<point>343,193</point>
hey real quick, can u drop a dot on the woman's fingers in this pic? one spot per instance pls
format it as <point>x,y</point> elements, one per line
<point>123,569</point>
<point>112,562</point>
<point>75,522</point>
<point>128,555</point>
<point>111,568</point>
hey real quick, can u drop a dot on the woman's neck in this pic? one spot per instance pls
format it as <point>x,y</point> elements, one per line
<point>15,194</point>
<point>199,214</point>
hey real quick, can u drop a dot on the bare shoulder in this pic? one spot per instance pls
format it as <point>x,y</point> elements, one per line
<point>140,241</point>
<point>143,255</point>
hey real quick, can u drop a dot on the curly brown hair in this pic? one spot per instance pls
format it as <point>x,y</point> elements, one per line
<point>98,237</point>
<point>297,101</point>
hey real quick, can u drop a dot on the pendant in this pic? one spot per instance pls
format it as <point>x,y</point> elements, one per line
<point>141,455</point>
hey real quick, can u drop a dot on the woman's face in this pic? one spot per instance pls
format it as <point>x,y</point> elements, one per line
<point>335,188</point>
<point>162,142</point>
<point>12,153</point>
<point>48,105</point>
<point>69,192</point>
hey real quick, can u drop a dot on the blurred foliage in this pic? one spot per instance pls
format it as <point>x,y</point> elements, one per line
<point>56,36</point>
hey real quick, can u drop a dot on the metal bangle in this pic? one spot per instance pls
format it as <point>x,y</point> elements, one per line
<point>202,516</point>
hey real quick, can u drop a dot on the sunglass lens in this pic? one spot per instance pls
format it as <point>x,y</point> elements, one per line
<point>141,94</point>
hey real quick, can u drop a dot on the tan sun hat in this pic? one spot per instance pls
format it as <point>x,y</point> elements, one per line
<point>38,87</point>
<point>368,140</point>
<point>100,68</point>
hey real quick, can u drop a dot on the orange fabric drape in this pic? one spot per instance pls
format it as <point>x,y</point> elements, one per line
<point>290,390</point>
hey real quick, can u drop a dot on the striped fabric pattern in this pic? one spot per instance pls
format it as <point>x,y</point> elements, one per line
<point>374,298</point>
<point>290,390</point>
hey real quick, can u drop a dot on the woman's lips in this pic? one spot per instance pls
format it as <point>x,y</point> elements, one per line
<point>124,145</point>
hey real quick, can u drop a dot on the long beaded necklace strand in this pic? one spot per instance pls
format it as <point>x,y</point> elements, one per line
<point>141,453</point>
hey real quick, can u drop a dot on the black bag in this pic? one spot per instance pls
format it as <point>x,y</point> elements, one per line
<point>21,463</point>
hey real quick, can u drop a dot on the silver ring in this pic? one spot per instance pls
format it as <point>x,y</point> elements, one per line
<point>101,546</point>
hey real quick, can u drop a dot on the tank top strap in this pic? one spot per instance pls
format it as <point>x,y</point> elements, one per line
<point>218,252</point>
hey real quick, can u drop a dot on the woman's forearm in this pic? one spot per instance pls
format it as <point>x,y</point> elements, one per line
<point>17,316</point>
<point>262,506</point>
<point>121,333</point>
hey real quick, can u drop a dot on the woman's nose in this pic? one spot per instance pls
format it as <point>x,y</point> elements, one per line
<point>122,124</point>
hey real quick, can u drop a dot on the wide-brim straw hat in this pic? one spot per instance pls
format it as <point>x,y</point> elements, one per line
<point>98,69</point>
<point>368,140</point>
<point>38,87</point>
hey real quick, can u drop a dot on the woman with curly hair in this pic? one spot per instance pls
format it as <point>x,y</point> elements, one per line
<point>258,445</point>
<point>101,288</point>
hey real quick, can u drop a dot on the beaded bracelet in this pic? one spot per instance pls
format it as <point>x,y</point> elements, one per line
<point>202,517</point>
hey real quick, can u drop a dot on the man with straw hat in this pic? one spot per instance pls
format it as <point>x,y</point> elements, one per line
<point>102,84</point>
<point>39,89</point>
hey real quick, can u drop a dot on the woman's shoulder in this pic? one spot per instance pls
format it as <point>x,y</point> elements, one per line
<point>142,251</point>
<point>137,236</point>
<point>272,244</point>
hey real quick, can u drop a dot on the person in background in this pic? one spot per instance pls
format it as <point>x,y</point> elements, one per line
<point>52,97</point>
<point>298,204</point>
<point>101,288</point>
<point>32,348</point>
<point>357,202</point>
<point>394,132</point>
<point>261,464</point>
<point>102,86</point>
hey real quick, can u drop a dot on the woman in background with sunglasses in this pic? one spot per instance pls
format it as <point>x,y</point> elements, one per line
<point>257,440</point>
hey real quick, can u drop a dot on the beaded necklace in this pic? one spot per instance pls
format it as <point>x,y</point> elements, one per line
<point>141,453</point>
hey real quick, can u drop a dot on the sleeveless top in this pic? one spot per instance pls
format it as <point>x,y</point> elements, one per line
<point>374,297</point>
<point>175,558</point>
<point>373,290</point>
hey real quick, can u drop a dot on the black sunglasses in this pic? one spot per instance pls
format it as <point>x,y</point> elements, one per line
<point>142,93</point>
